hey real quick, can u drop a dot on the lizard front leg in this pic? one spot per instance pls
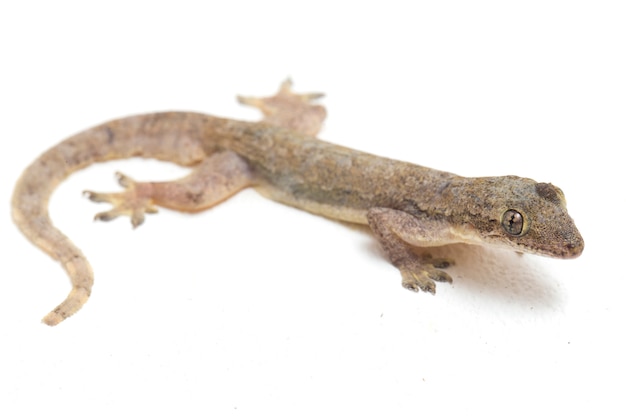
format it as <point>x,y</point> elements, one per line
<point>397,233</point>
<point>216,178</point>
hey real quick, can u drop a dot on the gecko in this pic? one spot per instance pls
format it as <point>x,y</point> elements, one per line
<point>405,205</point>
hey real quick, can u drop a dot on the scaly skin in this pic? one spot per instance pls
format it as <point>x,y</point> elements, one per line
<point>404,204</point>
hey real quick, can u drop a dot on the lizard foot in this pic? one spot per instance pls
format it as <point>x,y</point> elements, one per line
<point>421,276</point>
<point>290,110</point>
<point>135,202</point>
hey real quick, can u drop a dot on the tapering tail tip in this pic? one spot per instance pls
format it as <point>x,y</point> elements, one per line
<point>81,275</point>
<point>74,302</point>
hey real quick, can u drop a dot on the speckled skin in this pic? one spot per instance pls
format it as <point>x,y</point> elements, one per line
<point>405,205</point>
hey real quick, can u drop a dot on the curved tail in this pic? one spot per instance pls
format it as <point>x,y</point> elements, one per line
<point>174,137</point>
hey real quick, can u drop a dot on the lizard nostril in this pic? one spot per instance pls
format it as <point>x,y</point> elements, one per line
<point>574,246</point>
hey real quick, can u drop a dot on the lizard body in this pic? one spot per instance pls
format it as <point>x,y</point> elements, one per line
<point>404,204</point>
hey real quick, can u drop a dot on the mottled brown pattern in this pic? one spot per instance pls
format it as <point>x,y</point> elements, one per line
<point>405,205</point>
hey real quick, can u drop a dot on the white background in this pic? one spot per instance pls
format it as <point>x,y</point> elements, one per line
<point>254,308</point>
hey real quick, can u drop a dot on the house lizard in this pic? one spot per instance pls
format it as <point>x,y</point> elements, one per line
<point>405,205</point>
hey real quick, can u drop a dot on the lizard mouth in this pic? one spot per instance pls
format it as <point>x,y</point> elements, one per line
<point>568,249</point>
<point>566,246</point>
<point>573,245</point>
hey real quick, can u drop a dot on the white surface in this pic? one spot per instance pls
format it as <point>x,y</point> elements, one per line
<point>253,308</point>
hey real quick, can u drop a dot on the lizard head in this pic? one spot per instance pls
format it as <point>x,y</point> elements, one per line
<point>525,215</point>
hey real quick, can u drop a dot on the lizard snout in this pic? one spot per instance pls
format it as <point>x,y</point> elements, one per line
<point>574,245</point>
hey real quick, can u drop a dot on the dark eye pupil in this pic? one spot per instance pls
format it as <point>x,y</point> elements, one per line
<point>513,222</point>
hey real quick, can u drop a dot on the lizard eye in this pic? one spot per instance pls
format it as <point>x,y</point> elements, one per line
<point>513,222</point>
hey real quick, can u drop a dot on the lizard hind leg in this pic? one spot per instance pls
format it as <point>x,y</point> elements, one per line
<point>216,178</point>
<point>292,111</point>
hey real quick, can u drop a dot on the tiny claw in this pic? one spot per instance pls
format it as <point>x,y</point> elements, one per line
<point>95,197</point>
<point>105,216</point>
<point>88,194</point>
<point>440,276</point>
<point>137,219</point>
<point>123,180</point>
<point>418,281</point>
<point>429,287</point>
<point>250,101</point>
<point>440,263</point>
<point>286,85</point>
<point>286,88</point>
